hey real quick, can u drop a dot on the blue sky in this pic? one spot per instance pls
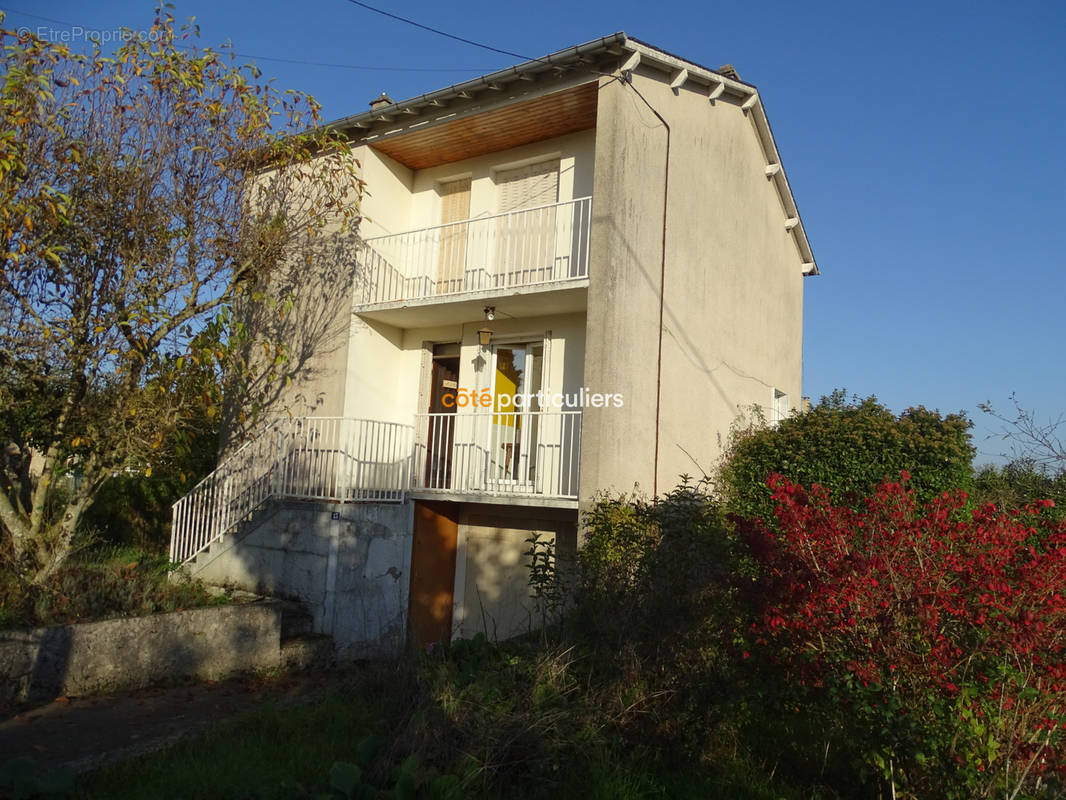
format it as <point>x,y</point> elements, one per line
<point>924,142</point>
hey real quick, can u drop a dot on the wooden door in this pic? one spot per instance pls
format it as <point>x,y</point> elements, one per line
<point>436,534</point>
<point>440,435</point>
<point>455,207</point>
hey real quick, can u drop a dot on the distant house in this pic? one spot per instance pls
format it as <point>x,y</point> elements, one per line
<point>609,226</point>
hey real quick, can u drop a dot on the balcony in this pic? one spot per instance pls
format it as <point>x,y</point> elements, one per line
<point>515,253</point>
<point>533,455</point>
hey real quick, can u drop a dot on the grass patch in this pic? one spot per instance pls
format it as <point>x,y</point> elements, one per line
<point>477,721</point>
<point>276,752</point>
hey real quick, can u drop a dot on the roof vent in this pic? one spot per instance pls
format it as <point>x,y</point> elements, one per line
<point>381,101</point>
<point>729,71</point>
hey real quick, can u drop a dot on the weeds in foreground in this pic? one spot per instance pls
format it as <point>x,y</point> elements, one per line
<point>476,720</point>
<point>100,583</point>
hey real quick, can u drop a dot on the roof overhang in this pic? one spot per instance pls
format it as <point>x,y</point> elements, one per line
<point>553,95</point>
<point>491,130</point>
<point>582,59</point>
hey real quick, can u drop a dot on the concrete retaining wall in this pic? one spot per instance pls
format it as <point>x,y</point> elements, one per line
<point>135,652</point>
<point>348,564</point>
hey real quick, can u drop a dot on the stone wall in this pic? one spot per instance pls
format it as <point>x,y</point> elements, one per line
<point>207,643</point>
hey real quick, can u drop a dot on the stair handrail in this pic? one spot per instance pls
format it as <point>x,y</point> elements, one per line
<point>183,534</point>
<point>310,458</point>
<point>232,456</point>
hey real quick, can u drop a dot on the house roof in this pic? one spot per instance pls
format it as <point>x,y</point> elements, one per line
<point>567,59</point>
<point>567,70</point>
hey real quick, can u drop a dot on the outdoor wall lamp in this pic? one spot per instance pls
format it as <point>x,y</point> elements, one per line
<point>485,334</point>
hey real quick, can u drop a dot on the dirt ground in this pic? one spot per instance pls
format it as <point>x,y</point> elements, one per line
<point>85,733</point>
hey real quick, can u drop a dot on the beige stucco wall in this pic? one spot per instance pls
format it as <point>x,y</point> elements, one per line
<point>386,206</point>
<point>732,316</point>
<point>378,361</point>
<point>304,307</point>
<point>492,594</point>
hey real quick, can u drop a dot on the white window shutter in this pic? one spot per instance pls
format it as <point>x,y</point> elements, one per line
<point>529,186</point>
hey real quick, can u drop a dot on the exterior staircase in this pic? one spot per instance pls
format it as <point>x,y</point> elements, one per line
<point>312,458</point>
<point>218,546</point>
<point>347,460</point>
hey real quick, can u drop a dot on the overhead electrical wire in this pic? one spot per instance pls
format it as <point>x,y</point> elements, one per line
<point>369,68</point>
<point>438,31</point>
<point>482,45</point>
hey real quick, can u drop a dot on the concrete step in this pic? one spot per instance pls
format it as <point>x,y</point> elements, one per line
<point>306,651</point>
<point>233,594</point>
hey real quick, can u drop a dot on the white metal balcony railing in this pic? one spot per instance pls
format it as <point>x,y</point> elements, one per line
<point>329,458</point>
<point>519,453</point>
<point>351,460</point>
<point>519,248</point>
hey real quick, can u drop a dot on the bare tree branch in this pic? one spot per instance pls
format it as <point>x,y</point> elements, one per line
<point>1032,441</point>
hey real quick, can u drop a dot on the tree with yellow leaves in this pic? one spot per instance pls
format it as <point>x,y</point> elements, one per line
<point>142,195</point>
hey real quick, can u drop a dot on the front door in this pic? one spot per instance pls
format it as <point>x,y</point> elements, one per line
<point>440,435</point>
<point>517,372</point>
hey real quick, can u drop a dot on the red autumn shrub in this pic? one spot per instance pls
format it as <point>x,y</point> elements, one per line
<point>939,634</point>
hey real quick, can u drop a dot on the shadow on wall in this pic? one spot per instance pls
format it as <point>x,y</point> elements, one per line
<point>497,596</point>
<point>51,664</point>
<point>347,564</point>
<point>298,325</point>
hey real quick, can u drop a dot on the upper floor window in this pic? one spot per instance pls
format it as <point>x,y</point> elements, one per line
<point>779,408</point>
<point>526,243</point>
<point>529,186</point>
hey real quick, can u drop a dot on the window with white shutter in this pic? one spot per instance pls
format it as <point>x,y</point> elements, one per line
<point>455,207</point>
<point>529,186</point>
<point>525,252</point>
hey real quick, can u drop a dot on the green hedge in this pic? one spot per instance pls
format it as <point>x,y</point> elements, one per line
<point>848,446</point>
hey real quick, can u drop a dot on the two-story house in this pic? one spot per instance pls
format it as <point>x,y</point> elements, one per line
<point>574,274</point>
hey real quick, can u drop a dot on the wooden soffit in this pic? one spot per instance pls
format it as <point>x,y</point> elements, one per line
<point>534,120</point>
